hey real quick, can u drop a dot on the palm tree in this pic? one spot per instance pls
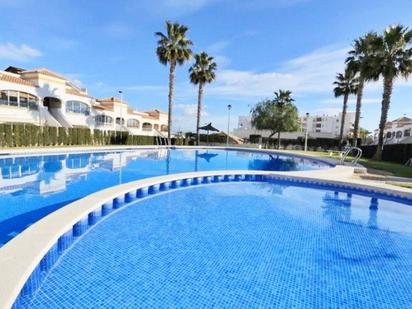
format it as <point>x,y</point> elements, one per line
<point>201,72</point>
<point>359,62</point>
<point>393,58</point>
<point>173,48</point>
<point>346,84</point>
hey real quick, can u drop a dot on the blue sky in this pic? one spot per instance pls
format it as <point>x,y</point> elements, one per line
<point>260,46</point>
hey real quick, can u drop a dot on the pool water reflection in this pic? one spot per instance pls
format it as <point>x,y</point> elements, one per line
<point>32,187</point>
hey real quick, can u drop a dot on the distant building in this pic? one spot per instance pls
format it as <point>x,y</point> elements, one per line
<point>396,131</point>
<point>42,97</point>
<point>318,126</point>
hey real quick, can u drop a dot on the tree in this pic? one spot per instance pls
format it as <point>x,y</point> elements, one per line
<point>359,61</point>
<point>173,48</point>
<point>277,115</point>
<point>346,84</point>
<point>392,59</point>
<point>201,72</point>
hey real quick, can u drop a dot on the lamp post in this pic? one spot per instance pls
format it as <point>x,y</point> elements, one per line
<point>306,132</point>
<point>229,107</point>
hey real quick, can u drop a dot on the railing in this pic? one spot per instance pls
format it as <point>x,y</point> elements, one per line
<point>358,155</point>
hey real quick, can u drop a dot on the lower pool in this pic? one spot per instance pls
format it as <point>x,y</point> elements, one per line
<point>240,245</point>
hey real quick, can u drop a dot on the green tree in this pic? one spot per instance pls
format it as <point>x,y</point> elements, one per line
<point>346,84</point>
<point>173,48</point>
<point>201,72</point>
<point>277,115</point>
<point>392,59</point>
<point>359,61</point>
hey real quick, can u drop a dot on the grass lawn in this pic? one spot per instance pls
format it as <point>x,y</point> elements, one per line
<point>395,169</point>
<point>400,184</point>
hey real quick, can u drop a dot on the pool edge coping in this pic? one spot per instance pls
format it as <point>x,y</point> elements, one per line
<point>20,256</point>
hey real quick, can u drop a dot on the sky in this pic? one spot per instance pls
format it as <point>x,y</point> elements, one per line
<point>259,46</point>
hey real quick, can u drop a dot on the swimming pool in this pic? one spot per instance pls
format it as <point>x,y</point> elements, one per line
<point>242,244</point>
<point>31,187</point>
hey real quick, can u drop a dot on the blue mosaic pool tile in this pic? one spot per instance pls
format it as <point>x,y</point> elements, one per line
<point>272,246</point>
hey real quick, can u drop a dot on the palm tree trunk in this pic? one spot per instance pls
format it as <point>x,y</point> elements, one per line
<point>199,110</point>
<point>171,92</point>
<point>342,125</point>
<point>386,99</point>
<point>279,140</point>
<point>358,112</point>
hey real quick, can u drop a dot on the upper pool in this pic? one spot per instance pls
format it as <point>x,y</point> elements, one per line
<point>32,187</point>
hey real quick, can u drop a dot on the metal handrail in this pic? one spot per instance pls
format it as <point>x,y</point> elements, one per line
<point>356,157</point>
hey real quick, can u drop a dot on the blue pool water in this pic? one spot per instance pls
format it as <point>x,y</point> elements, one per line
<point>32,187</point>
<point>272,246</point>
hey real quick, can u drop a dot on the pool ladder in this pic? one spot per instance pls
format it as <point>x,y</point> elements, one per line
<point>358,154</point>
<point>160,141</point>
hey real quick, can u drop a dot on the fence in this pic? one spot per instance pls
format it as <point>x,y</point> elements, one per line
<point>399,153</point>
<point>20,135</point>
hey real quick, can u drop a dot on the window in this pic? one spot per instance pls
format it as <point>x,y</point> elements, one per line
<point>319,119</point>
<point>77,107</point>
<point>13,98</point>
<point>388,134</point>
<point>407,132</point>
<point>24,99</point>
<point>163,128</point>
<point>18,98</point>
<point>156,126</point>
<point>133,123</point>
<point>4,97</point>
<point>147,126</point>
<point>398,134</point>
<point>318,125</point>
<point>120,121</point>
<point>33,102</point>
<point>103,119</point>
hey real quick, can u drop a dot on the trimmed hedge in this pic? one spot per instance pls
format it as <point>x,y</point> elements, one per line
<point>398,153</point>
<point>23,135</point>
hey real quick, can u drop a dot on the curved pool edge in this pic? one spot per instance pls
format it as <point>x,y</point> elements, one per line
<point>23,255</point>
<point>93,149</point>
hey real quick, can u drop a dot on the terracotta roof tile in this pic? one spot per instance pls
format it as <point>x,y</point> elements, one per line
<point>16,80</point>
<point>44,72</point>
<point>76,92</point>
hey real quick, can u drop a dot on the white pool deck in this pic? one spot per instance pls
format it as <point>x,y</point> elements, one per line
<point>20,256</point>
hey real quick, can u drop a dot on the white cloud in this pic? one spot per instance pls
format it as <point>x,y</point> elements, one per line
<point>218,46</point>
<point>185,116</point>
<point>24,52</point>
<point>313,72</point>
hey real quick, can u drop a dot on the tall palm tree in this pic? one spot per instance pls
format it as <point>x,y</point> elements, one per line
<point>201,72</point>
<point>286,110</point>
<point>359,62</point>
<point>346,84</point>
<point>173,48</point>
<point>393,58</point>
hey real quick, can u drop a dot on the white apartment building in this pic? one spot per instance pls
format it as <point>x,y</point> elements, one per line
<point>396,131</point>
<point>42,97</point>
<point>318,126</point>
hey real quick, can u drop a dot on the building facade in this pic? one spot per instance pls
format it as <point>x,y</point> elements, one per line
<point>317,126</point>
<point>396,131</point>
<point>42,97</point>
